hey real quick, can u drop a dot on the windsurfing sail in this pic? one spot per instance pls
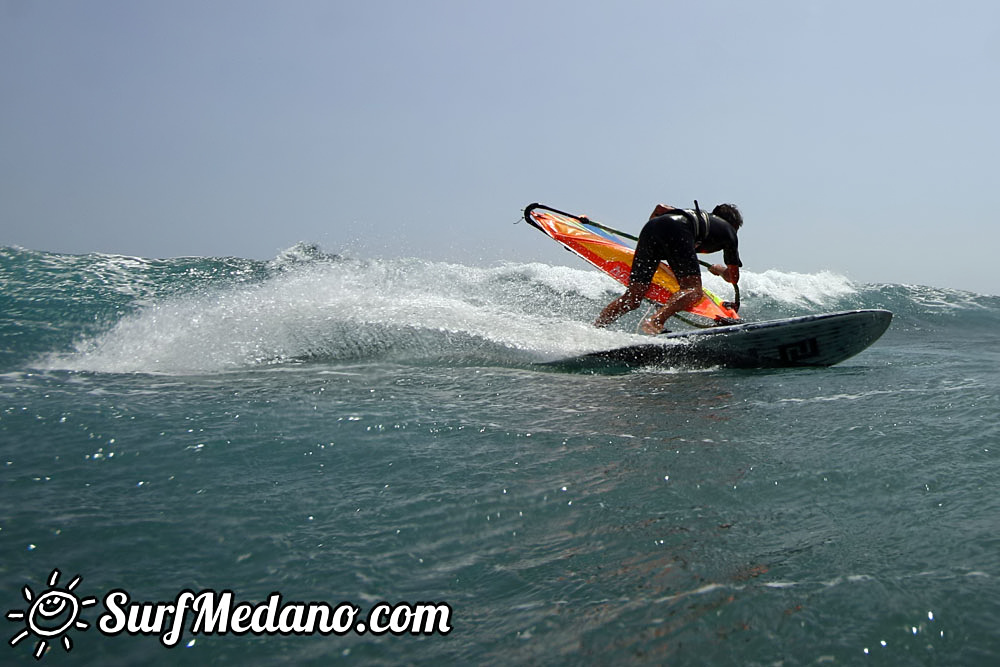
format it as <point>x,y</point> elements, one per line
<point>610,252</point>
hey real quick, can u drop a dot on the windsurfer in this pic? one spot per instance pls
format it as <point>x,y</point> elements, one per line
<point>676,235</point>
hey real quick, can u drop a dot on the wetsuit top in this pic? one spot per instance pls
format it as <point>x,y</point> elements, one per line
<point>675,237</point>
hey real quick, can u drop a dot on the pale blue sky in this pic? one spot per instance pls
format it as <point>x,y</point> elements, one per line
<point>857,136</point>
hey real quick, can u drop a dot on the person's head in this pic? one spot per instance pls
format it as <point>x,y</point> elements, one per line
<point>730,214</point>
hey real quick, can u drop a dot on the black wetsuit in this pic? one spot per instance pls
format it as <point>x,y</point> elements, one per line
<point>676,237</point>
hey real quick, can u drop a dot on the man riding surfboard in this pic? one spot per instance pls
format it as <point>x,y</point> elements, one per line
<point>677,235</point>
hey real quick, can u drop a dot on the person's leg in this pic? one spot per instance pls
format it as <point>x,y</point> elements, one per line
<point>688,294</point>
<point>624,304</point>
<point>648,251</point>
<point>683,260</point>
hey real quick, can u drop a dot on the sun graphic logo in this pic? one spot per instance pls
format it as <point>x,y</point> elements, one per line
<point>51,615</point>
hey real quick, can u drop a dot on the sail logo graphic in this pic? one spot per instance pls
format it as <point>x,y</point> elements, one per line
<point>51,615</point>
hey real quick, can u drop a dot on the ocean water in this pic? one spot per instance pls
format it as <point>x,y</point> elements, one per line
<point>356,430</point>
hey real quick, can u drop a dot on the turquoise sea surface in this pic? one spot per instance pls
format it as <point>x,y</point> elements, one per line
<point>337,429</point>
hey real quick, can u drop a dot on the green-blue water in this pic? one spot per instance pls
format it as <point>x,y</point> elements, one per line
<point>377,430</point>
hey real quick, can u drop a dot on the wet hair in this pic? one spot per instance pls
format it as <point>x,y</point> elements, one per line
<point>730,214</point>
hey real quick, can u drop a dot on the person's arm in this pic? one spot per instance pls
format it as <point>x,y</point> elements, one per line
<point>731,273</point>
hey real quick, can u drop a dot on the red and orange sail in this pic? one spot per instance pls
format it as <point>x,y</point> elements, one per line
<point>610,254</point>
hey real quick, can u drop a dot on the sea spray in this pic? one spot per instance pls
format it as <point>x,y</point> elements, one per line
<point>194,315</point>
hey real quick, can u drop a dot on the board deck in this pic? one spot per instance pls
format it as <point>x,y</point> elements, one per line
<point>810,340</point>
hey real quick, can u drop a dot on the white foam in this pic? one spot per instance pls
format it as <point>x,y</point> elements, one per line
<point>798,289</point>
<point>343,309</point>
<point>317,305</point>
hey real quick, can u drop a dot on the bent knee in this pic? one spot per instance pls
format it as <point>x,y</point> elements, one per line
<point>631,301</point>
<point>635,293</point>
<point>692,282</point>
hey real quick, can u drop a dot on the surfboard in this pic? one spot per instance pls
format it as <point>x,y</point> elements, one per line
<point>610,251</point>
<point>809,340</point>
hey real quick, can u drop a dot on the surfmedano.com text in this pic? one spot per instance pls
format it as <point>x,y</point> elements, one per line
<point>213,613</point>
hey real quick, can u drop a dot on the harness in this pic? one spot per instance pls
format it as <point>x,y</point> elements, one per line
<point>700,223</point>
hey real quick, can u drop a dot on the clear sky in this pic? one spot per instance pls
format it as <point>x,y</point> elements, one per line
<point>857,136</point>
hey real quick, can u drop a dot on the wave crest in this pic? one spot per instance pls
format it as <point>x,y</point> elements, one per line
<point>111,313</point>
